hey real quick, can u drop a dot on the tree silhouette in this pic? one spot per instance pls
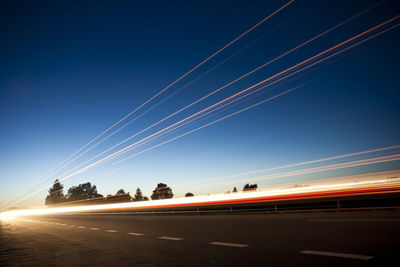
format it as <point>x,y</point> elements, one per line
<point>56,194</point>
<point>121,191</point>
<point>234,190</point>
<point>138,195</point>
<point>82,191</point>
<point>162,191</point>
<point>250,187</point>
<point>189,194</point>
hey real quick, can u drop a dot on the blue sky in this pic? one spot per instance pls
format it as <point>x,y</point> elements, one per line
<point>72,69</point>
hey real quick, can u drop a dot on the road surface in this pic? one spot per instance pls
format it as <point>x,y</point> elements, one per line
<point>303,239</point>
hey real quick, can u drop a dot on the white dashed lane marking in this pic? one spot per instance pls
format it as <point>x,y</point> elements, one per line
<point>94,229</point>
<point>229,244</point>
<point>81,227</point>
<point>111,231</point>
<point>170,238</point>
<point>136,234</point>
<point>336,254</point>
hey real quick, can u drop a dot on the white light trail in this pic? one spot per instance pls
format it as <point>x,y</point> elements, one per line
<point>326,168</point>
<point>211,123</point>
<point>126,149</point>
<point>211,200</point>
<point>296,67</point>
<point>292,165</point>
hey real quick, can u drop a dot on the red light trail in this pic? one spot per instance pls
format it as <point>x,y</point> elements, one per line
<point>337,189</point>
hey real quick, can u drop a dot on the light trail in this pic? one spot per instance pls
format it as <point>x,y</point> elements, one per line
<point>140,143</point>
<point>313,191</point>
<point>221,88</point>
<point>170,130</point>
<point>289,75</point>
<point>338,179</point>
<point>294,165</point>
<point>238,79</point>
<point>301,45</point>
<point>79,171</point>
<point>181,77</point>
<point>139,116</point>
<point>331,167</point>
<point>301,69</point>
<point>211,123</point>
<point>281,74</point>
<point>133,120</point>
<point>70,158</point>
<point>388,175</point>
<point>260,67</point>
<point>245,90</point>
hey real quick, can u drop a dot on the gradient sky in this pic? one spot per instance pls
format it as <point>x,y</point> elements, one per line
<point>71,69</point>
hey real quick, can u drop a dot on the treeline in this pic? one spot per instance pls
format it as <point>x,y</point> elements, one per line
<point>75,193</point>
<point>86,193</point>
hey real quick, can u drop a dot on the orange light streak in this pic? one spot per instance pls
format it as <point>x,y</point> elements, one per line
<point>313,191</point>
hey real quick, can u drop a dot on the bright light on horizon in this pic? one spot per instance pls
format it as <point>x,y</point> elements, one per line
<point>215,199</point>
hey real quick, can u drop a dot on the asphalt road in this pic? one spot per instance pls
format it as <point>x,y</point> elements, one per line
<point>304,239</point>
